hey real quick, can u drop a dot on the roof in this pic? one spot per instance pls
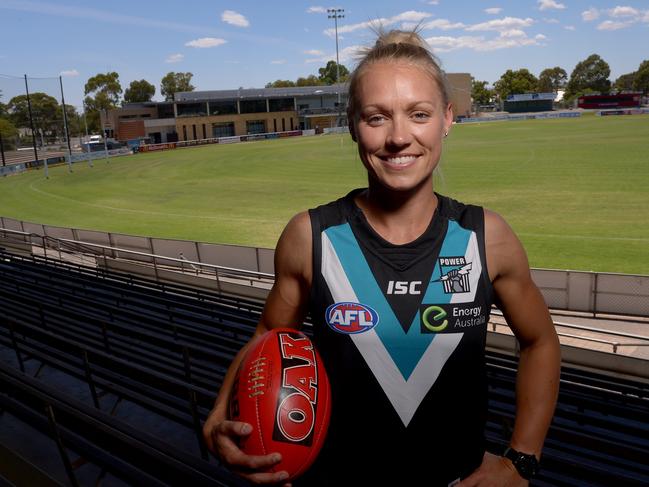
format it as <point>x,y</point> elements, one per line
<point>261,92</point>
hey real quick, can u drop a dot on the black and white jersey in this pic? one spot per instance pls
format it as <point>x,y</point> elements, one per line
<point>401,330</point>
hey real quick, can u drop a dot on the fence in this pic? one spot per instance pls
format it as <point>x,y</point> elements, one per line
<point>590,292</point>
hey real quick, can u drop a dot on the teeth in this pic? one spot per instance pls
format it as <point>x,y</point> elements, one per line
<point>401,160</point>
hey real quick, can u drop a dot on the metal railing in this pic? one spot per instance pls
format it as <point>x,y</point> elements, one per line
<point>603,331</point>
<point>218,272</point>
<point>105,252</point>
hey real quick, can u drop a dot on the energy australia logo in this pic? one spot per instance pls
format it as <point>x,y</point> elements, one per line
<point>455,273</point>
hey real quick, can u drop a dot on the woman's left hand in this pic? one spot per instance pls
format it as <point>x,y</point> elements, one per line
<point>494,471</point>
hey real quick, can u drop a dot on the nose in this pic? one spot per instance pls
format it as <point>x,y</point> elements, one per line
<point>399,134</point>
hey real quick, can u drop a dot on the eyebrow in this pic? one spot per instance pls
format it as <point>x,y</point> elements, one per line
<point>409,106</point>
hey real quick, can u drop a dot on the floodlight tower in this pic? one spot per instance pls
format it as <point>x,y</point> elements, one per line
<point>337,13</point>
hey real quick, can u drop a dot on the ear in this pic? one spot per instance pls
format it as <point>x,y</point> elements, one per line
<point>448,118</point>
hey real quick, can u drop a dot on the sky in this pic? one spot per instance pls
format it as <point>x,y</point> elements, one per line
<point>244,43</point>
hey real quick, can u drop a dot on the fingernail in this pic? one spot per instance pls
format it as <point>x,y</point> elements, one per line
<point>245,429</point>
<point>283,476</point>
<point>276,458</point>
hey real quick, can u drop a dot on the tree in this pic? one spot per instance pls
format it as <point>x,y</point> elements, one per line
<point>139,91</point>
<point>281,83</point>
<point>327,74</point>
<point>641,80</point>
<point>480,94</point>
<point>590,75</point>
<point>173,83</point>
<point>3,107</point>
<point>514,82</point>
<point>311,80</point>
<point>552,79</point>
<point>103,91</point>
<point>9,134</point>
<point>46,114</point>
<point>625,82</point>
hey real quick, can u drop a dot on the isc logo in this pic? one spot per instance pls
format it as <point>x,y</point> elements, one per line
<point>404,287</point>
<point>351,318</point>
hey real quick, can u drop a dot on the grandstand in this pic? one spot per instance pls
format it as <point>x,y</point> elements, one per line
<point>106,375</point>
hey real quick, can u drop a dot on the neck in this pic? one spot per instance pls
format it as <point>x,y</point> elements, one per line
<point>398,216</point>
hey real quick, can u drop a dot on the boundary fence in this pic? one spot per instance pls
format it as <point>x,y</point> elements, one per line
<point>581,291</point>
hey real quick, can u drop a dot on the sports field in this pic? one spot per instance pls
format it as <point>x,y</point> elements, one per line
<point>575,190</point>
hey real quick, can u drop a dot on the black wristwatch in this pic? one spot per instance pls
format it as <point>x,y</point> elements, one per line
<point>527,465</point>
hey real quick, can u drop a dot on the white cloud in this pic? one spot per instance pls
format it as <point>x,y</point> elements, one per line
<point>613,25</point>
<point>442,24</point>
<point>409,16</point>
<point>551,21</point>
<point>550,5</point>
<point>314,52</point>
<point>316,10</point>
<point>278,61</point>
<point>623,12</point>
<point>493,10</point>
<point>540,37</point>
<point>569,27</point>
<point>478,43</point>
<point>349,53</point>
<point>433,2</point>
<point>205,42</point>
<point>234,18</point>
<point>500,25</point>
<point>68,72</point>
<point>174,58</point>
<point>590,14</point>
<point>513,33</point>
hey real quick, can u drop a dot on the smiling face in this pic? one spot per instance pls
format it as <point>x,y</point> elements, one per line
<point>400,125</point>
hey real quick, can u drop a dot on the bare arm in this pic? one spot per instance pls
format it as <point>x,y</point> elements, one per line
<point>285,307</point>
<point>537,381</point>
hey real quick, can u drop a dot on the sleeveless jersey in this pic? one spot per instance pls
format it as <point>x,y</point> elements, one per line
<point>401,330</point>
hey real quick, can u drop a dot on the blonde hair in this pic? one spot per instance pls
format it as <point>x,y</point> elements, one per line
<point>396,46</point>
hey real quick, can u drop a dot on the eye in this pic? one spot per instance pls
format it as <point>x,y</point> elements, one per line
<point>376,119</point>
<point>420,116</point>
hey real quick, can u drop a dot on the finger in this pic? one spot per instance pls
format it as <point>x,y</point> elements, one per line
<point>234,428</point>
<point>266,478</point>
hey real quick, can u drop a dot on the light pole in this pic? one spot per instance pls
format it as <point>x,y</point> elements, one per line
<point>337,13</point>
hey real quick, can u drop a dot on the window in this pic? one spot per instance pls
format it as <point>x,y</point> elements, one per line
<point>204,132</point>
<point>166,111</point>
<point>256,126</point>
<point>281,104</point>
<point>283,125</point>
<point>191,109</point>
<point>291,123</point>
<point>194,131</point>
<point>223,107</point>
<point>274,125</point>
<point>224,129</point>
<point>253,106</point>
<point>184,132</point>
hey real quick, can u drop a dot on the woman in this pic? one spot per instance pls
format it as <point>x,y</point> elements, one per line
<point>408,377</point>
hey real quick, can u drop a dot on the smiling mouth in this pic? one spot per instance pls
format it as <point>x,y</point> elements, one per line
<point>400,160</point>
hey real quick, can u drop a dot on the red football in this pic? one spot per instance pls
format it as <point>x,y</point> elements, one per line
<point>282,390</point>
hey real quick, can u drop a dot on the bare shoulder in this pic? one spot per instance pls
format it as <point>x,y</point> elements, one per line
<point>293,251</point>
<point>505,253</point>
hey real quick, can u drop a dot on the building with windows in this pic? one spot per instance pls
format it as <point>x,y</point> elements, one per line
<point>196,115</point>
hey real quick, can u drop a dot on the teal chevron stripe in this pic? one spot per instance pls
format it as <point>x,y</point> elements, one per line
<point>455,244</point>
<point>406,349</point>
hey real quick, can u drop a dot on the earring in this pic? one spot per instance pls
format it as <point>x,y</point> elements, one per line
<point>446,134</point>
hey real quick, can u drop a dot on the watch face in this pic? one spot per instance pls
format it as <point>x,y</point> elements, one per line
<point>527,465</point>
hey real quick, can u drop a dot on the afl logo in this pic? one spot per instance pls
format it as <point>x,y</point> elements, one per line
<point>351,318</point>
